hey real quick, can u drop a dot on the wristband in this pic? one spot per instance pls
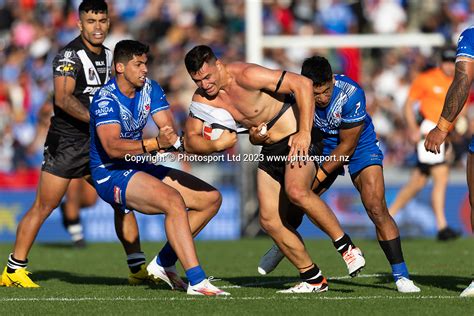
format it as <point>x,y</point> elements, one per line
<point>143,147</point>
<point>444,125</point>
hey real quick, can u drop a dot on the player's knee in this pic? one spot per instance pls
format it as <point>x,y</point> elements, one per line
<point>214,201</point>
<point>297,195</point>
<point>44,208</point>
<point>377,211</point>
<point>271,226</point>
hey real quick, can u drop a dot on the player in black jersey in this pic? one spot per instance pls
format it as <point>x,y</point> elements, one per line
<point>79,69</point>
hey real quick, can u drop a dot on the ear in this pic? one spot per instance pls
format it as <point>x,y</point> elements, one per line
<point>79,25</point>
<point>119,68</point>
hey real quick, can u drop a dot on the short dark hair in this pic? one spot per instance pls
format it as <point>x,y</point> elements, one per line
<point>96,6</point>
<point>317,69</point>
<point>126,49</point>
<point>197,56</point>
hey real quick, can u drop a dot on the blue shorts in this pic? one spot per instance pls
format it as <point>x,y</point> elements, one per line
<point>363,157</point>
<point>471,145</point>
<point>111,182</point>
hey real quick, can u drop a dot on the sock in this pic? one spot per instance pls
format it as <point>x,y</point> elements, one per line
<point>400,270</point>
<point>75,231</point>
<point>167,257</point>
<point>393,252</point>
<point>195,275</point>
<point>135,261</point>
<point>312,276</point>
<point>342,244</point>
<point>14,264</point>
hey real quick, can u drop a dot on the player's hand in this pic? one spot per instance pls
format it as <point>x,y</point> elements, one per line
<point>227,140</point>
<point>258,135</point>
<point>434,139</point>
<point>167,137</point>
<point>299,144</point>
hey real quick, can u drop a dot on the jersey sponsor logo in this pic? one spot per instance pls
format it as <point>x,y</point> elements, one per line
<point>102,104</point>
<point>99,63</point>
<point>103,111</point>
<point>130,135</point>
<point>65,68</point>
<point>147,107</point>
<point>117,195</point>
<point>90,90</point>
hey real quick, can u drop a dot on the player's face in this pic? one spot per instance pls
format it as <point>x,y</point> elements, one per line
<point>207,77</point>
<point>94,27</point>
<point>448,67</point>
<point>323,94</point>
<point>136,71</point>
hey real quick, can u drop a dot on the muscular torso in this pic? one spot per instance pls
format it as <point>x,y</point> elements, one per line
<point>252,107</point>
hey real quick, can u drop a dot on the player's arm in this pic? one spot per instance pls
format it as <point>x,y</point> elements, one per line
<point>194,143</point>
<point>257,77</point>
<point>349,138</point>
<point>455,99</point>
<point>413,128</point>
<point>66,66</point>
<point>116,147</point>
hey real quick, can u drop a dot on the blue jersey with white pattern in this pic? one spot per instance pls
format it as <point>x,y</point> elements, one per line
<point>466,43</point>
<point>110,106</point>
<point>347,107</point>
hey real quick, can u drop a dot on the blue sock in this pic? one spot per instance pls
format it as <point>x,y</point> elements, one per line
<point>400,270</point>
<point>167,257</point>
<point>195,275</point>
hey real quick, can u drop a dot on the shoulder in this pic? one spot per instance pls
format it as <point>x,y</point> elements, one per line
<point>347,85</point>
<point>467,33</point>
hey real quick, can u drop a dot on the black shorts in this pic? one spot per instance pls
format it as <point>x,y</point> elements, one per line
<point>275,166</point>
<point>66,156</point>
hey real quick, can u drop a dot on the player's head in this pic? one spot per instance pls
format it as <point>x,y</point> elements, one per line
<point>93,21</point>
<point>319,70</point>
<point>130,59</point>
<point>448,58</point>
<point>203,67</point>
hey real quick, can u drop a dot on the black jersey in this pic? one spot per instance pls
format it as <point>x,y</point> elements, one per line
<point>90,71</point>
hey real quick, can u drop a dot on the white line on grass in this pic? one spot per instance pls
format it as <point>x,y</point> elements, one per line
<point>248,298</point>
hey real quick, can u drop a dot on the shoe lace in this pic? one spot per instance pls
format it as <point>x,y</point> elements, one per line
<point>349,256</point>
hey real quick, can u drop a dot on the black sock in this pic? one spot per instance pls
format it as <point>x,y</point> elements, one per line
<point>312,276</point>
<point>343,243</point>
<point>135,261</point>
<point>393,250</point>
<point>14,264</point>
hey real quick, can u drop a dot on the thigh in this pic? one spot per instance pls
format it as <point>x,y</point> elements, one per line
<point>270,196</point>
<point>194,191</point>
<point>370,184</point>
<point>147,194</point>
<point>299,176</point>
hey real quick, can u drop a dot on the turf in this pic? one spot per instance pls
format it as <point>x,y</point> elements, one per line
<point>93,280</point>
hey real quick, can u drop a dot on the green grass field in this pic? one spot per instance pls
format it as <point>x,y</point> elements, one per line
<point>93,280</point>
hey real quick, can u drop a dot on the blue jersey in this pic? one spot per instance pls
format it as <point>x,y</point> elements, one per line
<point>466,43</point>
<point>466,49</point>
<point>110,106</point>
<point>346,109</point>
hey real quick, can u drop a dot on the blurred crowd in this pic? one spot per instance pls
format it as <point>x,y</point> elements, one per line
<point>32,32</point>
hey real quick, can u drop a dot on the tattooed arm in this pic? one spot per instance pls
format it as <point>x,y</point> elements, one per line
<point>64,98</point>
<point>455,100</point>
<point>459,89</point>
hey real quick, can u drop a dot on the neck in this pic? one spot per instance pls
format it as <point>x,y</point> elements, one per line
<point>125,87</point>
<point>92,48</point>
<point>226,78</point>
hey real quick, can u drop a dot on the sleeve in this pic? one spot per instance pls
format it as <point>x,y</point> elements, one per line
<point>104,110</point>
<point>66,64</point>
<point>417,90</point>
<point>354,111</point>
<point>158,98</point>
<point>466,44</point>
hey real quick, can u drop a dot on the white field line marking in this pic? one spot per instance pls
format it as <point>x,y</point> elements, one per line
<point>249,298</point>
<point>288,280</point>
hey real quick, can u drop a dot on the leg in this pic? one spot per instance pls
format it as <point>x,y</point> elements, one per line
<point>298,188</point>
<point>470,183</point>
<point>440,175</point>
<point>51,189</point>
<point>415,184</point>
<point>370,183</point>
<point>70,211</point>
<point>272,201</point>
